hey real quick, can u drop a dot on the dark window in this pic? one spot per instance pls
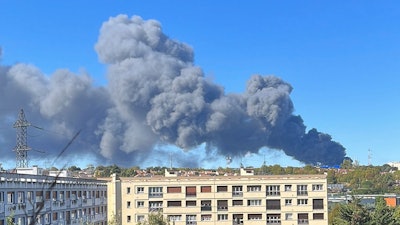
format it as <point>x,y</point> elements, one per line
<point>237,219</point>
<point>174,203</point>
<point>206,205</point>
<point>237,202</point>
<point>190,203</point>
<point>222,188</point>
<point>318,216</point>
<point>222,205</point>
<point>254,217</point>
<point>173,189</point>
<point>302,218</point>
<point>318,204</point>
<point>274,204</point>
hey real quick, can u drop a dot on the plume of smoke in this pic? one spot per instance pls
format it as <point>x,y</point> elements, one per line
<point>156,95</point>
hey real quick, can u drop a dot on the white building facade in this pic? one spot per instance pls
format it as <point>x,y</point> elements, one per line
<point>37,199</point>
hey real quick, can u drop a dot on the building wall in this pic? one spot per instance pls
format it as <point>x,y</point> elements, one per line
<point>226,200</point>
<point>52,200</point>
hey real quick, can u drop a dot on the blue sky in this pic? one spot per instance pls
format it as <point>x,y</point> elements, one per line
<point>341,57</point>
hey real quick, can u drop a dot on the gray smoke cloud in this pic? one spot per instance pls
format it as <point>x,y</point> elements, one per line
<point>155,95</point>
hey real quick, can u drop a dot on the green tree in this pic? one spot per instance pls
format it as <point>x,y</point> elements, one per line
<point>115,219</point>
<point>155,219</point>
<point>382,214</point>
<point>352,214</point>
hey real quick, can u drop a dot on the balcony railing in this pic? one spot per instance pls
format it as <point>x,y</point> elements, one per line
<point>222,208</point>
<point>155,195</point>
<point>206,208</point>
<point>302,221</point>
<point>237,194</point>
<point>302,193</point>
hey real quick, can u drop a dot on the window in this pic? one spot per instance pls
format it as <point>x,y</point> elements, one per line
<point>128,219</point>
<point>1,196</point>
<point>254,188</point>
<point>173,189</point>
<point>139,204</point>
<point>190,219</point>
<point>10,197</point>
<point>139,218</point>
<point>175,217</point>
<point>273,218</point>
<point>302,201</point>
<point>222,217</point>
<point>237,219</point>
<point>254,202</point>
<point>174,203</point>
<point>205,189</point>
<point>288,201</point>
<point>288,187</point>
<point>302,218</point>
<point>128,204</point>
<point>273,190</point>
<point>237,202</point>
<point>274,204</point>
<point>140,190</point>
<point>128,190</point>
<point>288,216</point>
<point>206,217</point>
<point>29,196</point>
<point>191,191</point>
<point>222,188</point>
<point>156,192</point>
<point>302,190</point>
<point>237,191</point>
<point>254,217</point>
<point>190,203</point>
<point>317,187</point>
<point>206,205</point>
<point>20,197</point>
<point>222,205</point>
<point>318,204</point>
<point>155,206</point>
<point>318,216</point>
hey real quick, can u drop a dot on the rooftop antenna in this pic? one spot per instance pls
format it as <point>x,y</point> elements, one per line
<point>21,148</point>
<point>228,161</point>
<point>170,161</point>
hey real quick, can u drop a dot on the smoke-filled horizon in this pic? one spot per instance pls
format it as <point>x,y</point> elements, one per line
<point>155,96</point>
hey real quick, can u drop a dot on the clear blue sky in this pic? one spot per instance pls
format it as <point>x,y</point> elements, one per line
<point>341,57</point>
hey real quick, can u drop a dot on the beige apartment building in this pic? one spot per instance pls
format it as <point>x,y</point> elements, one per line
<point>245,199</point>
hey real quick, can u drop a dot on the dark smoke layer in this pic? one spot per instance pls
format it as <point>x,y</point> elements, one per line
<point>155,96</point>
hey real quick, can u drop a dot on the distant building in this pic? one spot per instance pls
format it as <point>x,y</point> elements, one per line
<point>31,198</point>
<point>245,199</point>
<point>394,164</point>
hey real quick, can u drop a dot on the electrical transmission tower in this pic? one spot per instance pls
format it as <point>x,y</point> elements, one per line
<point>22,148</point>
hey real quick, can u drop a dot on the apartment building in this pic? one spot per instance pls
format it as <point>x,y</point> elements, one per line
<point>37,199</point>
<point>245,199</point>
